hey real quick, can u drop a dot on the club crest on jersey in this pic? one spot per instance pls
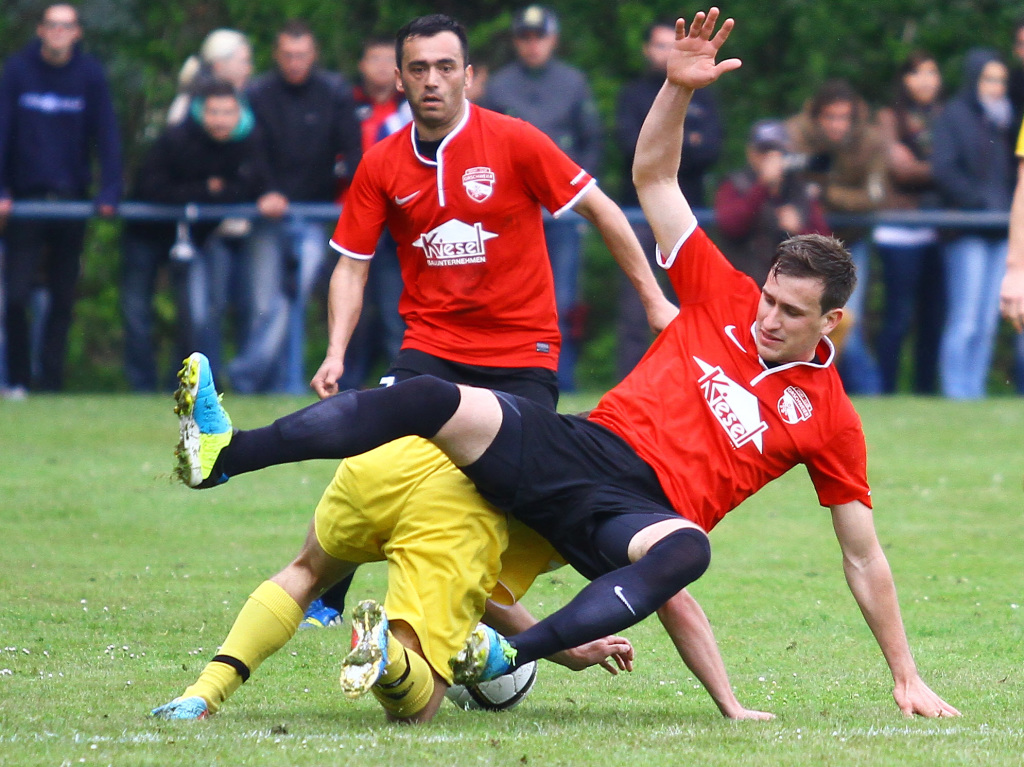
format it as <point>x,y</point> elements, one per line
<point>736,409</point>
<point>455,243</point>
<point>795,405</point>
<point>479,183</point>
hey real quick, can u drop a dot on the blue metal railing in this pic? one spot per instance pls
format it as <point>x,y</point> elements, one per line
<point>145,211</point>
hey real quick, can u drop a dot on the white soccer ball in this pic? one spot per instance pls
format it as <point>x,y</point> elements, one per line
<point>499,694</point>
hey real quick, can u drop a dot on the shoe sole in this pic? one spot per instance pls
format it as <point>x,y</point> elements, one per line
<point>188,467</point>
<point>469,662</point>
<point>362,667</point>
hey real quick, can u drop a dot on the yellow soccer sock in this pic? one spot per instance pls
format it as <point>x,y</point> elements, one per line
<point>269,618</point>
<point>407,683</point>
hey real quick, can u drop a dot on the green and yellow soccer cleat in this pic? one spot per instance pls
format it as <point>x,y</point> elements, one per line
<point>362,667</point>
<point>485,656</point>
<point>203,424</point>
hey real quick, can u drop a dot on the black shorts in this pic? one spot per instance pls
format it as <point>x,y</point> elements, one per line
<point>575,482</point>
<point>537,384</point>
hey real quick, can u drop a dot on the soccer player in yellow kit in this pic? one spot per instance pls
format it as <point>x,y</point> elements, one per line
<point>447,551</point>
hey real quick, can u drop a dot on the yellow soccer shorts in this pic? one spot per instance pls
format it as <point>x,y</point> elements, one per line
<point>405,503</point>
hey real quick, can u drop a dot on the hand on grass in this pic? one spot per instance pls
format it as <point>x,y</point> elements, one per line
<point>915,697</point>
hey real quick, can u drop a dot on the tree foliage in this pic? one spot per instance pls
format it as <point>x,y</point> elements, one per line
<point>788,47</point>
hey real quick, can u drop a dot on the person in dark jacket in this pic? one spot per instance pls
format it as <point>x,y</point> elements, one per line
<point>56,119</point>
<point>555,97</point>
<point>973,168</point>
<point>218,159</point>
<point>702,146</point>
<point>312,142</point>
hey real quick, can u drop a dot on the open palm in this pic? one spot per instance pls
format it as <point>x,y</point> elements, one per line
<point>692,63</point>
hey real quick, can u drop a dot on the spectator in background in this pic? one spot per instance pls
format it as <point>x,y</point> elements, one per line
<point>56,119</point>
<point>844,154</point>
<point>766,202</point>
<point>381,110</point>
<point>702,145</point>
<point>911,258</point>
<point>311,141</point>
<point>210,160</point>
<point>221,276</point>
<point>973,167</point>
<point>555,97</point>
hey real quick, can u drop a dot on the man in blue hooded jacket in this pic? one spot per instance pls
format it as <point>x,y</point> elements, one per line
<point>56,117</point>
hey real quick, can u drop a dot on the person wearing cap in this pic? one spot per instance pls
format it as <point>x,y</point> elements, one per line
<point>554,97</point>
<point>764,203</point>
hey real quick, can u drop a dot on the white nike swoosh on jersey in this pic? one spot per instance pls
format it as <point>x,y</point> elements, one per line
<point>622,597</point>
<point>400,201</point>
<point>729,331</point>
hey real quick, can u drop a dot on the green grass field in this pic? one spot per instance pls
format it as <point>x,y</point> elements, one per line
<point>116,587</point>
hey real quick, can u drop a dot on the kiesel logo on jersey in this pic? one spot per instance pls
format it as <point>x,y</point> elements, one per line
<point>795,405</point>
<point>736,409</point>
<point>455,243</point>
<point>479,183</point>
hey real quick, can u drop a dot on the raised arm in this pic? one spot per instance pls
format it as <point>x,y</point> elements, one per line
<point>691,65</point>
<point>870,579</point>
<point>621,241</point>
<point>691,633</point>
<point>1011,296</point>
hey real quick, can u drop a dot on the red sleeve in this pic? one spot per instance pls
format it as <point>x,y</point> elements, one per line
<point>699,272</point>
<point>839,469</point>
<point>550,176</point>
<point>362,217</point>
<point>735,213</point>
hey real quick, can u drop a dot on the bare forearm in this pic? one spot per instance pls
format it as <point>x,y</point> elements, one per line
<point>872,585</point>
<point>1015,257</point>
<point>659,148</point>
<point>691,633</point>
<point>344,305</point>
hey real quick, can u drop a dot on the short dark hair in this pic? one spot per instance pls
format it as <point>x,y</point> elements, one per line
<point>375,41</point>
<point>822,258</point>
<point>832,92</point>
<point>428,26</point>
<point>296,28</point>
<point>214,87</point>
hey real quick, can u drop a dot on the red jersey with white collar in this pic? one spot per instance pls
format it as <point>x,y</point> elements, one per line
<point>713,421</point>
<point>478,283</point>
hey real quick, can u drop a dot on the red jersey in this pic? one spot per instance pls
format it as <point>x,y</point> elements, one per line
<point>713,421</point>
<point>478,283</point>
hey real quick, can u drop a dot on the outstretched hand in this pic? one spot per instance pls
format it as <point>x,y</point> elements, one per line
<point>601,652</point>
<point>692,62</point>
<point>915,697</point>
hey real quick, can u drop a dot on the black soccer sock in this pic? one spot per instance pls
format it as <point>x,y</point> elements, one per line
<point>619,599</point>
<point>335,595</point>
<point>346,424</point>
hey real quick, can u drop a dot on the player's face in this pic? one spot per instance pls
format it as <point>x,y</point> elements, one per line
<point>295,57</point>
<point>220,116</point>
<point>434,77</point>
<point>790,322</point>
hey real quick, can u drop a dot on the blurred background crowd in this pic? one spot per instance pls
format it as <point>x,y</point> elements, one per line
<point>260,118</point>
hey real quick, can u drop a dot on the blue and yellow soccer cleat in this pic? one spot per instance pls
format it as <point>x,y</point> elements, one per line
<point>485,656</point>
<point>320,616</point>
<point>182,708</point>
<point>203,423</point>
<point>362,667</point>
